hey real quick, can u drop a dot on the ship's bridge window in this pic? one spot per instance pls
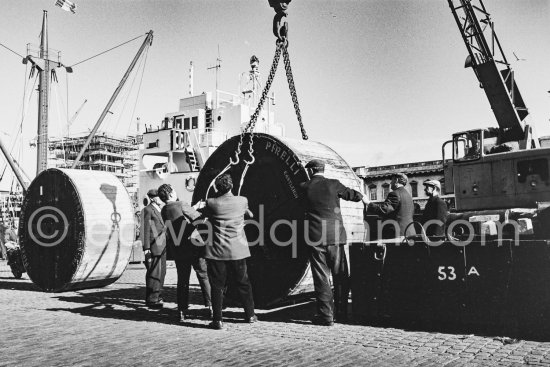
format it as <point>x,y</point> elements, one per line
<point>178,122</point>
<point>195,122</point>
<point>186,123</point>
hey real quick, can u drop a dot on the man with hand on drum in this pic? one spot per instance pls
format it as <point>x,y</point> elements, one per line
<point>326,236</point>
<point>228,250</point>
<point>397,210</point>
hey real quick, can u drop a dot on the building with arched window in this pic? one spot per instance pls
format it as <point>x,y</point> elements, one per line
<point>376,180</point>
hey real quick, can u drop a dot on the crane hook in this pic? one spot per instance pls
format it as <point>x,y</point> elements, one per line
<point>280,28</point>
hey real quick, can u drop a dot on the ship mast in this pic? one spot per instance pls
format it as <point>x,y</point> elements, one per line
<point>191,79</point>
<point>43,88</point>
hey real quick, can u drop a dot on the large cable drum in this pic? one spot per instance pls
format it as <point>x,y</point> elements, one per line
<point>279,266</point>
<point>76,229</point>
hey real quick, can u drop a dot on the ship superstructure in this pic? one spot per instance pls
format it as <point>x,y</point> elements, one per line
<point>176,150</point>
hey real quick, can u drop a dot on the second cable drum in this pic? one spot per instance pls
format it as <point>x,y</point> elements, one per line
<point>279,267</point>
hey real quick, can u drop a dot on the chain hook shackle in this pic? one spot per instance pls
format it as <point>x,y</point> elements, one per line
<point>280,27</point>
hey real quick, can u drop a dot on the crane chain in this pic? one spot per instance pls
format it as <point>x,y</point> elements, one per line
<point>281,47</point>
<point>254,118</point>
<point>293,92</point>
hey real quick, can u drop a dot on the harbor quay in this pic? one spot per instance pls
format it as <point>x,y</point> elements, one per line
<point>111,326</point>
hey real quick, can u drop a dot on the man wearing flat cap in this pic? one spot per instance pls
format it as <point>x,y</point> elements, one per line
<point>153,240</point>
<point>398,208</point>
<point>326,236</point>
<point>435,211</point>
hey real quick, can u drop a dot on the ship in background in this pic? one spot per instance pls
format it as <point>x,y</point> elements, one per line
<point>175,151</point>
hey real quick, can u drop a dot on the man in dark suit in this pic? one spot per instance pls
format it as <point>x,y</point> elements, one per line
<point>397,210</point>
<point>154,247</point>
<point>180,233</point>
<point>435,211</point>
<point>326,236</point>
<point>228,248</point>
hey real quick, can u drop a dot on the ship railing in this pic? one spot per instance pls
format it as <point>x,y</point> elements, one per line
<point>211,137</point>
<point>53,54</point>
<point>226,98</point>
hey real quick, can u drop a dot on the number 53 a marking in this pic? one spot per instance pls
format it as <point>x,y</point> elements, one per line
<point>446,273</point>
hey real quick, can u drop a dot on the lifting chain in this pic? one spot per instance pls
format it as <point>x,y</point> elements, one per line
<point>293,93</point>
<point>254,118</point>
<point>280,30</point>
<point>250,126</point>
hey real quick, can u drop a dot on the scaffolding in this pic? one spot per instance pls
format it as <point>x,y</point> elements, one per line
<point>110,153</point>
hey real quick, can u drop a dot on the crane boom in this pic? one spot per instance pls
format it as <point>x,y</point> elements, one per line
<point>491,67</point>
<point>147,41</point>
<point>70,122</point>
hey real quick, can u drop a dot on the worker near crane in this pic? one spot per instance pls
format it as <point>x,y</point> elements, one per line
<point>435,211</point>
<point>326,236</point>
<point>397,210</point>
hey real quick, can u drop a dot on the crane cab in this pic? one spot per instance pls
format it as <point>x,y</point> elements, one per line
<point>484,174</point>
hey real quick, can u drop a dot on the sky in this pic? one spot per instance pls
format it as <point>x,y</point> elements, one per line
<point>379,81</point>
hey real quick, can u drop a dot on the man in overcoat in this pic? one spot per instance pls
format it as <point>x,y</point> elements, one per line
<point>180,232</point>
<point>153,241</point>
<point>397,210</point>
<point>326,236</point>
<point>435,211</point>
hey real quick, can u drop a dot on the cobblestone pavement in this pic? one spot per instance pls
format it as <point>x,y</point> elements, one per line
<point>111,326</point>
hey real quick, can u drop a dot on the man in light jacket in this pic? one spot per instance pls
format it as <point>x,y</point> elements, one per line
<point>227,249</point>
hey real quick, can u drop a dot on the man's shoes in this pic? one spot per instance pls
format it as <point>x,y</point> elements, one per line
<point>181,316</point>
<point>321,321</point>
<point>216,325</point>
<point>251,319</point>
<point>154,305</point>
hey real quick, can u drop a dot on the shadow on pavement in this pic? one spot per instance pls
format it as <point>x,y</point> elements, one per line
<point>18,284</point>
<point>129,304</point>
